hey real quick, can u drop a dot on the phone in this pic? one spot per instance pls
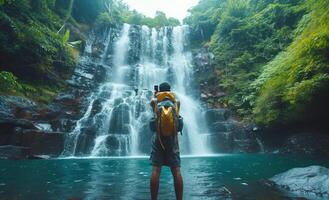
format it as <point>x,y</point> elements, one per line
<point>156,88</point>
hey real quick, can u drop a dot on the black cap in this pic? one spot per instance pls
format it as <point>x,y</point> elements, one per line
<point>164,87</point>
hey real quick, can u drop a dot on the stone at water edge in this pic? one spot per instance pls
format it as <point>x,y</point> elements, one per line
<point>309,181</point>
<point>14,152</point>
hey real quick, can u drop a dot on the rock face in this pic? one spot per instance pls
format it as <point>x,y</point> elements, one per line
<point>307,144</point>
<point>310,182</point>
<point>206,79</point>
<point>28,129</point>
<point>14,152</point>
<point>228,135</point>
<point>25,131</point>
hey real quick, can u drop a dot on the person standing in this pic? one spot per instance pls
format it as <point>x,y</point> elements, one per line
<point>165,148</point>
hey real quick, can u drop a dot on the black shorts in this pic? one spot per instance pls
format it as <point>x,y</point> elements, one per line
<point>169,156</point>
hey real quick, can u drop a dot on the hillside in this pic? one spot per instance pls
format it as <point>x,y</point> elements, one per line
<point>271,58</point>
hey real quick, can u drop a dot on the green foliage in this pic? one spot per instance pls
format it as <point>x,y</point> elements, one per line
<point>116,12</point>
<point>9,85</point>
<point>104,19</point>
<point>248,35</point>
<point>160,19</point>
<point>8,82</point>
<point>62,7</point>
<point>298,78</point>
<point>33,54</point>
<point>66,37</point>
<point>203,19</point>
<point>86,11</point>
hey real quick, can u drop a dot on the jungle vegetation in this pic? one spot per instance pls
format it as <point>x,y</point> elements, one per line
<point>40,40</point>
<point>271,57</point>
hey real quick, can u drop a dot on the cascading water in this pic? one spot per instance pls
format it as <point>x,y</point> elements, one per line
<point>116,120</point>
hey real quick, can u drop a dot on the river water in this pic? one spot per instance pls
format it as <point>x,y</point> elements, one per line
<point>128,177</point>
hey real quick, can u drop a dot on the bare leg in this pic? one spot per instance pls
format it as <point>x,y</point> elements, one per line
<point>178,181</point>
<point>154,182</point>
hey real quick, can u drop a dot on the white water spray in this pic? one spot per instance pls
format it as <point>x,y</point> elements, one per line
<point>119,127</point>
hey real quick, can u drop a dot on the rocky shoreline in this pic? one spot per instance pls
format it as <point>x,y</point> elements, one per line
<point>28,130</point>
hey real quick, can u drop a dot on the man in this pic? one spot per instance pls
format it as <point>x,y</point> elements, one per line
<point>165,147</point>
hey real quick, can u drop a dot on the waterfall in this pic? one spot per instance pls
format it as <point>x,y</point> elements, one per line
<point>115,122</point>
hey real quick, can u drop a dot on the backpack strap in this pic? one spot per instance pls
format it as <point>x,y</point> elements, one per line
<point>159,129</point>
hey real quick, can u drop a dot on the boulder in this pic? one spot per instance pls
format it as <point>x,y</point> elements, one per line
<point>68,99</point>
<point>134,51</point>
<point>40,142</point>
<point>215,115</point>
<point>203,59</point>
<point>16,107</point>
<point>310,182</point>
<point>63,124</point>
<point>307,144</point>
<point>14,152</point>
<point>222,142</point>
<point>119,121</point>
<point>230,136</point>
<point>39,157</point>
<point>84,144</point>
<point>220,127</point>
<point>10,126</point>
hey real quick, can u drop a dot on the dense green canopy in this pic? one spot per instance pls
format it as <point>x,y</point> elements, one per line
<point>271,56</point>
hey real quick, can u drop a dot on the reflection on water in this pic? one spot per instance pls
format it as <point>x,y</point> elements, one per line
<point>112,178</point>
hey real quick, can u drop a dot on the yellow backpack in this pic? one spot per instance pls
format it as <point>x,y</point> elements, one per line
<point>167,113</point>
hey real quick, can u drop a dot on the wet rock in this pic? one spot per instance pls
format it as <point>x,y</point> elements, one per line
<point>25,133</point>
<point>221,126</point>
<point>16,107</point>
<point>228,135</point>
<point>234,142</point>
<point>145,138</point>
<point>38,157</point>
<point>112,142</point>
<point>97,49</point>
<point>310,182</point>
<point>46,127</point>
<point>63,124</point>
<point>215,115</point>
<point>96,107</point>
<point>203,95</point>
<point>68,99</point>
<point>120,118</point>
<point>21,113</point>
<point>18,101</point>
<point>14,152</point>
<point>116,145</point>
<point>40,142</point>
<point>220,193</point>
<point>306,144</point>
<point>244,140</point>
<point>203,59</point>
<point>45,114</point>
<point>224,193</point>
<point>9,127</point>
<point>84,144</point>
<point>222,142</point>
<point>134,51</point>
<point>100,73</point>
